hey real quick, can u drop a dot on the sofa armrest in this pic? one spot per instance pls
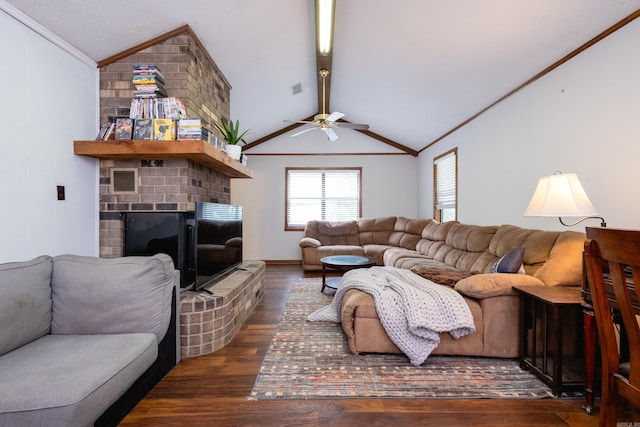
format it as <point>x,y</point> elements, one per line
<point>309,242</point>
<point>494,284</point>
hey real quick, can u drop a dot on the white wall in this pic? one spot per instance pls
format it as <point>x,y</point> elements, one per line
<point>389,186</point>
<point>49,98</point>
<point>583,117</point>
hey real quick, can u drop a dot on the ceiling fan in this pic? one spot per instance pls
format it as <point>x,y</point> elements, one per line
<point>327,122</point>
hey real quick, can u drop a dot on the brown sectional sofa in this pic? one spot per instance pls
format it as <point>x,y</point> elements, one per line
<point>551,258</point>
<point>366,236</point>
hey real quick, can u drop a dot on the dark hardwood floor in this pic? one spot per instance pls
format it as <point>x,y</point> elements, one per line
<point>212,390</point>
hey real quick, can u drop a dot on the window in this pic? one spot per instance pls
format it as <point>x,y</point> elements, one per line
<point>445,186</point>
<point>325,194</point>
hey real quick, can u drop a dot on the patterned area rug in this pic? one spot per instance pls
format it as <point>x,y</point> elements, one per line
<point>311,360</point>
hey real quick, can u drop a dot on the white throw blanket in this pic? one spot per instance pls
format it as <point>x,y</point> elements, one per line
<point>412,309</point>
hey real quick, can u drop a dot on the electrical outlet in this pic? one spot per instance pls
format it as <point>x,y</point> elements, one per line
<point>60,192</point>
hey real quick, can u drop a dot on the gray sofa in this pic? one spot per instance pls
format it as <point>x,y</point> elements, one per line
<point>82,339</point>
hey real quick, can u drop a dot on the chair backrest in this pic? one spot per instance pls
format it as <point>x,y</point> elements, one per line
<point>612,260</point>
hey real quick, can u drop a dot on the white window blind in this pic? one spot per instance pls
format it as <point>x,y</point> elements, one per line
<point>221,212</point>
<point>446,185</point>
<point>324,194</point>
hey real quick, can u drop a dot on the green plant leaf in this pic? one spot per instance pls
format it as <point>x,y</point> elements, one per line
<point>230,131</point>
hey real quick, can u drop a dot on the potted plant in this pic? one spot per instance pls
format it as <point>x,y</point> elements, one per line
<point>231,134</point>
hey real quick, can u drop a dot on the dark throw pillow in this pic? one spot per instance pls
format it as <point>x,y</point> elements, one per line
<point>510,262</point>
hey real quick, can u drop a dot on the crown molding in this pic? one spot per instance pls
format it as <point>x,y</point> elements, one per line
<point>48,35</point>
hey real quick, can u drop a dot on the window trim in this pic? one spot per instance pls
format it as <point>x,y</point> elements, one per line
<point>287,227</point>
<point>437,213</point>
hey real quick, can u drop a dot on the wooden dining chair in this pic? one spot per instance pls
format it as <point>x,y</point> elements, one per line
<point>612,260</point>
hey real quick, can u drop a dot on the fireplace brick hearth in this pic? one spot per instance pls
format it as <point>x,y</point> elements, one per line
<point>208,321</point>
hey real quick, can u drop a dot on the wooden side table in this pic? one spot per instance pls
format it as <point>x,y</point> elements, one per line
<point>550,304</point>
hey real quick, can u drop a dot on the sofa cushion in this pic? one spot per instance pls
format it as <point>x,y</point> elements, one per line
<point>510,262</point>
<point>407,232</point>
<point>136,290</point>
<point>25,302</point>
<point>54,380</point>
<point>493,285</point>
<point>537,248</point>
<point>564,265</point>
<point>312,256</point>
<point>376,252</point>
<point>333,232</point>
<point>507,238</point>
<point>375,231</point>
<point>393,256</point>
<point>433,237</point>
<point>464,245</point>
<point>442,276</point>
<point>411,263</point>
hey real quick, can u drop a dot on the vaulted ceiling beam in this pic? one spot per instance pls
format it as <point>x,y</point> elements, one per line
<point>325,9</point>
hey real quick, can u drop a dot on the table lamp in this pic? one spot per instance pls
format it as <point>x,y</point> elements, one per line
<point>562,195</point>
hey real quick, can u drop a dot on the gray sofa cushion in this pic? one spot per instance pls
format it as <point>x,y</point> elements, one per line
<point>25,302</point>
<point>110,296</point>
<point>55,380</point>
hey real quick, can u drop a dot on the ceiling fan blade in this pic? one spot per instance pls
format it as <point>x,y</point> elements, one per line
<point>331,134</point>
<point>302,131</point>
<point>352,125</point>
<point>336,115</point>
<point>297,121</point>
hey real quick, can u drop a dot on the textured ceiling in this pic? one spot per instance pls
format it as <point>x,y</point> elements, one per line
<point>411,69</point>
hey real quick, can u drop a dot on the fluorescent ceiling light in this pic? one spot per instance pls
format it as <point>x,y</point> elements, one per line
<point>324,25</point>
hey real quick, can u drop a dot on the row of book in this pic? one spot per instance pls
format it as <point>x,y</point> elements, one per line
<point>157,108</point>
<point>152,117</point>
<point>156,129</point>
<point>148,81</point>
<point>194,129</point>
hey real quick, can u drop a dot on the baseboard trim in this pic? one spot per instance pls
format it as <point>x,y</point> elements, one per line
<point>283,262</point>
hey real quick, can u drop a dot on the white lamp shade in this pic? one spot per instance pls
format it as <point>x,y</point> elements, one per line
<point>560,195</point>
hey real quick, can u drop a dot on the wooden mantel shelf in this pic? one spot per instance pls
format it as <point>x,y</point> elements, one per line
<point>199,151</point>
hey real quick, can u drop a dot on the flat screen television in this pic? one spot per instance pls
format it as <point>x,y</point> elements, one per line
<point>218,242</point>
<point>205,245</point>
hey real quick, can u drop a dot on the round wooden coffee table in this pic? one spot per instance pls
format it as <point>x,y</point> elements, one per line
<point>342,263</point>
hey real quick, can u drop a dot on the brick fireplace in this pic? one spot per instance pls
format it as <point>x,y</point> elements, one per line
<point>162,184</point>
<point>208,321</point>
